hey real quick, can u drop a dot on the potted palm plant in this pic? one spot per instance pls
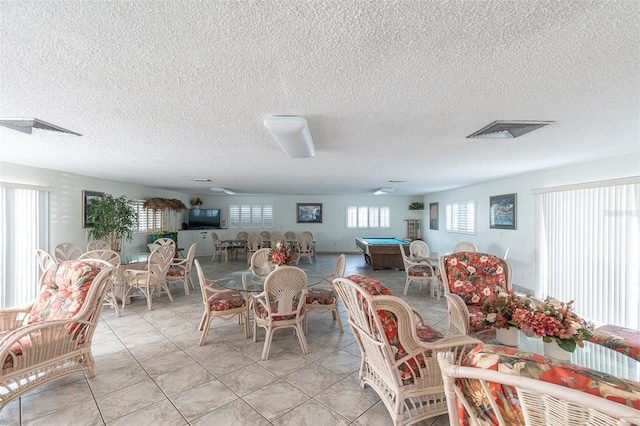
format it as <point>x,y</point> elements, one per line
<point>113,218</point>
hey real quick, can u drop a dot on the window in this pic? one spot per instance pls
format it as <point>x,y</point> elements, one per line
<point>146,217</point>
<point>368,217</point>
<point>461,217</point>
<point>588,246</point>
<point>251,216</point>
<point>24,227</point>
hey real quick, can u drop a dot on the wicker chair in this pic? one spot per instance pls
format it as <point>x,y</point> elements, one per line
<point>278,238</point>
<point>180,270</point>
<point>113,258</point>
<point>66,251</point>
<point>260,264</point>
<point>45,260</point>
<point>487,396</point>
<point>304,248</point>
<point>225,304</point>
<point>418,248</point>
<point>422,272</point>
<point>466,276</point>
<point>465,246</point>
<point>323,297</point>
<point>52,337</point>
<point>290,235</point>
<point>219,248</point>
<point>153,277</point>
<point>400,368</point>
<point>98,245</point>
<point>254,243</point>
<point>281,305</point>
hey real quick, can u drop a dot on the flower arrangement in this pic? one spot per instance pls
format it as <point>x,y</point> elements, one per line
<point>501,306</point>
<point>280,253</point>
<point>196,202</point>
<point>417,205</point>
<point>556,320</point>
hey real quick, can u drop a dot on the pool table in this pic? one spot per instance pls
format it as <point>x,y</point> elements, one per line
<point>382,253</point>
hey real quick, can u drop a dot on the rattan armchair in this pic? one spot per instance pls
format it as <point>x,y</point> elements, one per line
<point>52,337</point>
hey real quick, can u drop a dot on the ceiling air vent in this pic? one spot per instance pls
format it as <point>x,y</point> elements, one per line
<point>508,129</point>
<point>33,126</point>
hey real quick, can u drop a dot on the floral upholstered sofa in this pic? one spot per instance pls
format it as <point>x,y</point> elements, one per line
<point>472,277</point>
<point>620,339</point>
<point>514,361</point>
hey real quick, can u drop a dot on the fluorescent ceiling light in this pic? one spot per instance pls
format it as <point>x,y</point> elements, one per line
<point>382,191</point>
<point>221,189</point>
<point>502,129</point>
<point>292,134</point>
<point>33,126</point>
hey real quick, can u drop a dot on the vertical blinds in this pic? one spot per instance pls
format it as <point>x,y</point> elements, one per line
<point>588,250</point>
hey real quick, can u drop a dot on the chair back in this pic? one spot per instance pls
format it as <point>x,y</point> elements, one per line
<point>469,274</point>
<point>506,253</point>
<point>66,251</point>
<point>418,248</point>
<point>290,235</point>
<point>191,255</point>
<point>278,238</point>
<point>266,235</point>
<point>304,243</point>
<point>215,238</point>
<point>98,245</point>
<point>159,262</point>
<point>108,255</point>
<point>285,292</point>
<point>254,242</point>
<point>45,260</point>
<point>203,285</point>
<point>530,401</point>
<point>307,233</point>
<point>164,242</point>
<point>260,264</point>
<point>242,236</point>
<point>465,246</point>
<point>65,288</point>
<point>341,264</point>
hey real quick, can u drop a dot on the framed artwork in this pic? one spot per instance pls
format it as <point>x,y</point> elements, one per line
<point>502,211</point>
<point>433,216</point>
<point>309,213</point>
<point>87,198</point>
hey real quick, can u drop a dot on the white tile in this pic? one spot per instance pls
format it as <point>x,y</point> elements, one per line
<point>160,413</point>
<point>236,413</point>
<point>311,413</point>
<point>47,402</point>
<point>82,414</point>
<point>200,400</point>
<point>130,399</point>
<point>275,399</point>
<point>183,378</point>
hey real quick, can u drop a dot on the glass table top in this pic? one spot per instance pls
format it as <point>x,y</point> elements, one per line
<point>247,281</point>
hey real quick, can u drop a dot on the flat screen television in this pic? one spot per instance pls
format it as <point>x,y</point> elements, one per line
<point>204,218</point>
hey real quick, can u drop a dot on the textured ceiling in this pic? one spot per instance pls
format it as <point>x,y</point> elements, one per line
<point>167,91</point>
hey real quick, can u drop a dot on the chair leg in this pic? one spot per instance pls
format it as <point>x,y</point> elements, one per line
<point>406,286</point>
<point>246,323</point>
<point>267,344</point>
<point>204,317</point>
<point>336,316</point>
<point>302,339</point>
<point>205,331</point>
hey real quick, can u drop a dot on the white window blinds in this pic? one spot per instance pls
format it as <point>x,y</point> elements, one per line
<point>588,249</point>
<point>461,217</point>
<point>368,217</point>
<point>251,216</point>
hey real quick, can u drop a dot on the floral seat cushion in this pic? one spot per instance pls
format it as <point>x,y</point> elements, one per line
<point>176,272</point>
<point>226,301</point>
<point>262,313</point>
<point>420,271</point>
<point>371,286</point>
<point>472,276</point>
<point>620,339</point>
<point>321,296</point>
<point>527,364</point>
<point>62,294</point>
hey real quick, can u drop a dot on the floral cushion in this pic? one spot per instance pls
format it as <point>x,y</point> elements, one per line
<point>371,286</point>
<point>226,301</point>
<point>321,296</point>
<point>620,339</point>
<point>176,272</point>
<point>428,334</point>
<point>63,292</point>
<point>262,313</point>
<point>527,364</point>
<point>420,271</point>
<point>472,276</point>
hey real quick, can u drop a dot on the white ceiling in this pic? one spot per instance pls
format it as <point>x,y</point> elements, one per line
<point>167,91</point>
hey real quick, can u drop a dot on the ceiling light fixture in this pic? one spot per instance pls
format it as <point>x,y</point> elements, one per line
<point>501,129</point>
<point>221,189</point>
<point>201,180</point>
<point>34,126</point>
<point>382,191</point>
<point>292,134</point>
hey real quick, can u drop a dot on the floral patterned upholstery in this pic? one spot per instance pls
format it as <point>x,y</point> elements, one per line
<point>63,291</point>
<point>321,296</point>
<point>472,276</point>
<point>176,272</point>
<point>526,364</point>
<point>371,286</point>
<point>61,296</point>
<point>262,312</point>
<point>620,339</point>
<point>225,301</point>
<point>420,271</point>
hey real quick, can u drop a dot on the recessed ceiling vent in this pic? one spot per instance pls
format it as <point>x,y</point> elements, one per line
<point>508,129</point>
<point>33,126</point>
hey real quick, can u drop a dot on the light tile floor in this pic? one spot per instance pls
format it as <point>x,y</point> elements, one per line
<point>150,369</point>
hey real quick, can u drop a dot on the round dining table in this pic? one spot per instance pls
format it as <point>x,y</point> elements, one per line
<point>248,281</point>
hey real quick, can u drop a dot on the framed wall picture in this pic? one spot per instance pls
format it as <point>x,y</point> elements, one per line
<point>309,213</point>
<point>87,198</point>
<point>433,216</point>
<point>502,211</point>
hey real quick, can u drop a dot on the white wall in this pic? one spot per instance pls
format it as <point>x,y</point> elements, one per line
<point>66,201</point>
<point>521,241</point>
<point>331,235</point>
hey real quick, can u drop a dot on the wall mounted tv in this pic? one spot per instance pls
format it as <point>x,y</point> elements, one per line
<point>204,218</point>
